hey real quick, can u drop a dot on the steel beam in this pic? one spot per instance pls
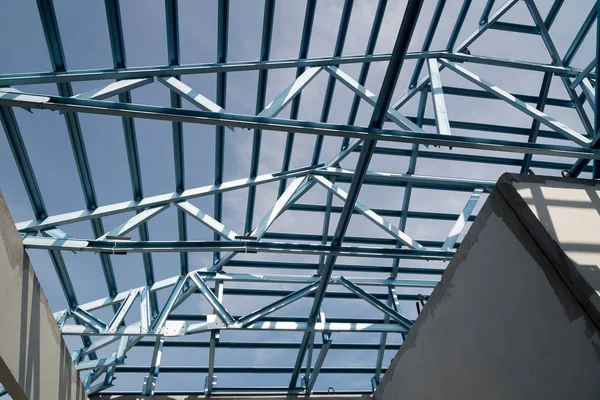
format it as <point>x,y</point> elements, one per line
<point>309,16</point>
<point>460,48</point>
<point>339,48</point>
<point>392,301</point>
<point>427,181</point>
<point>371,98</point>
<point>549,21</point>
<point>114,89</point>
<point>150,380</point>
<point>169,282</point>
<point>88,319</point>
<point>222,49</point>
<point>319,363</point>
<point>77,330</point>
<point>289,93</point>
<point>486,11</point>
<point>117,44</point>
<point>17,146</point>
<point>460,20</point>
<point>207,220</point>
<point>442,123</point>
<point>292,193</point>
<point>405,32</point>
<point>34,78</point>
<point>274,124</point>
<point>535,125</point>
<point>194,97</point>
<point>271,308</point>
<point>370,215</point>
<point>518,104</point>
<point>401,319</point>
<point>460,223</point>
<point>151,202</point>
<point>580,36</point>
<point>57,58</point>
<point>261,94</point>
<point>433,24</point>
<point>215,336</point>
<point>134,222</point>
<point>583,74</point>
<point>589,92</point>
<point>123,310</point>
<point>366,66</point>
<point>159,322</point>
<point>212,299</point>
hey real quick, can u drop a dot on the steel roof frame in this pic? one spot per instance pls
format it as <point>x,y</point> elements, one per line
<point>158,323</point>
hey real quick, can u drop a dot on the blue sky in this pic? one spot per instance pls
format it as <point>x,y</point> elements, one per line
<point>86,44</point>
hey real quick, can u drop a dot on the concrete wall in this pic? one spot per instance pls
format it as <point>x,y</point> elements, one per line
<point>512,317</point>
<point>34,360</point>
<point>569,211</point>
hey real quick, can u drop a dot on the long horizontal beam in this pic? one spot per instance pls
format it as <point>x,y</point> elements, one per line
<point>374,177</point>
<point>284,125</point>
<point>246,370</point>
<point>266,278</point>
<point>78,330</point>
<point>112,247</point>
<point>33,78</point>
<point>474,158</point>
<point>264,345</point>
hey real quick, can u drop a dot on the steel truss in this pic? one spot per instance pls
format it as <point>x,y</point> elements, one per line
<point>158,322</point>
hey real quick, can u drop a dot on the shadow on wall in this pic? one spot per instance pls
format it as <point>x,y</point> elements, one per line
<point>569,208</point>
<point>29,353</point>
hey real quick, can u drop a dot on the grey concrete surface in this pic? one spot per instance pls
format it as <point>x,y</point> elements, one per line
<point>569,211</point>
<point>35,363</point>
<point>512,316</point>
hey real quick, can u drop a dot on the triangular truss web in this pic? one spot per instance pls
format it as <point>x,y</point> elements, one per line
<point>381,272</point>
